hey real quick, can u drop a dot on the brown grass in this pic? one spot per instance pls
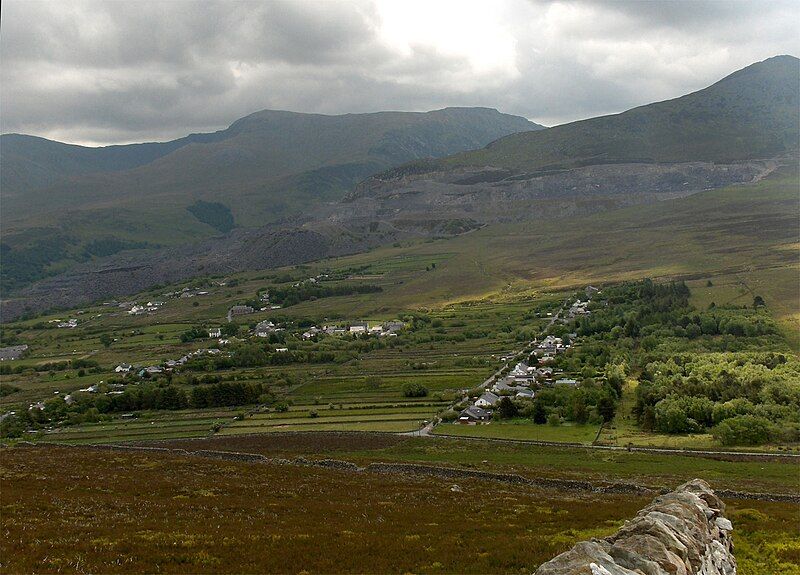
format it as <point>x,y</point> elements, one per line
<point>320,443</point>
<point>78,510</point>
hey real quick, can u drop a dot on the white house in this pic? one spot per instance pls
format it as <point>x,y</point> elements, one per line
<point>565,381</point>
<point>123,368</point>
<point>359,328</point>
<point>214,333</point>
<point>488,399</point>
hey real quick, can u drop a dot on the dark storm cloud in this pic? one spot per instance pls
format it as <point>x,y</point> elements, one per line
<point>116,71</point>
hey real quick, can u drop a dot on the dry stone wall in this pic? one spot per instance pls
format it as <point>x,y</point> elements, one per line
<point>683,532</point>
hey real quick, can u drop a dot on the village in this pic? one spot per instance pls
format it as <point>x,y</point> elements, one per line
<point>523,375</point>
<point>521,382</point>
<point>133,374</point>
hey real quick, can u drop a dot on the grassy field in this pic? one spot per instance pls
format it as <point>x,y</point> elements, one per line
<point>624,430</point>
<point>523,429</point>
<point>650,469</point>
<point>482,295</point>
<point>255,518</point>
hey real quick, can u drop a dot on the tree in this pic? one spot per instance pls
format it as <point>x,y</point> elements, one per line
<point>507,409</point>
<point>579,410</point>
<point>230,329</point>
<point>106,340</point>
<point>414,389</point>
<point>693,331</point>
<point>539,412</point>
<point>744,430</point>
<point>758,301</point>
<point>606,406</point>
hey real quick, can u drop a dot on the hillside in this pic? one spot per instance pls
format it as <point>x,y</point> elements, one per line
<point>30,162</point>
<point>64,204</point>
<point>729,133</point>
<point>742,237</point>
<point>259,149</point>
<point>737,132</point>
<point>752,113</point>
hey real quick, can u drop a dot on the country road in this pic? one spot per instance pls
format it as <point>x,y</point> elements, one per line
<point>428,429</point>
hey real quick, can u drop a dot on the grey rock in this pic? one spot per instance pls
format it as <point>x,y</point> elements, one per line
<point>682,532</point>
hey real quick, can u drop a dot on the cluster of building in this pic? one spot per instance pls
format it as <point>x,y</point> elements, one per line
<point>578,309</point>
<point>520,383</point>
<point>547,349</point>
<point>169,365</point>
<point>264,298</point>
<point>522,380</point>
<point>386,329</point>
<point>312,280</point>
<point>149,307</point>
<point>69,323</point>
<point>186,293</point>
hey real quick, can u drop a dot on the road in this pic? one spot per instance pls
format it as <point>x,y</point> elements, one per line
<point>427,430</point>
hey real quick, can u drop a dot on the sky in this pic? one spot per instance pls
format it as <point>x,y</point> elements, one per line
<point>120,71</point>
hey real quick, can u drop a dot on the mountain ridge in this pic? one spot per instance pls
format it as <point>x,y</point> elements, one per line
<point>447,197</point>
<point>629,135</point>
<point>63,203</point>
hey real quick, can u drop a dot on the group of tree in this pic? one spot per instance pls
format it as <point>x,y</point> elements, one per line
<point>88,407</point>
<point>743,398</point>
<point>292,295</point>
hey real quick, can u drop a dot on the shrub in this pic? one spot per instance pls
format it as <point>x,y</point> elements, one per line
<point>449,416</point>
<point>744,430</point>
<point>413,389</point>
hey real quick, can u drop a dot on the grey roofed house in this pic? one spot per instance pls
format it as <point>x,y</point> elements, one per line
<point>474,414</point>
<point>13,352</point>
<point>393,326</point>
<point>265,327</point>
<point>503,386</point>
<point>526,393</point>
<point>488,399</point>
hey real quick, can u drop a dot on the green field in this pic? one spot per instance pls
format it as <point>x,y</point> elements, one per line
<point>486,296</point>
<point>523,429</point>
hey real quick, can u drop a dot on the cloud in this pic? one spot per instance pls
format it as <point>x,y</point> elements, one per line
<point>95,71</point>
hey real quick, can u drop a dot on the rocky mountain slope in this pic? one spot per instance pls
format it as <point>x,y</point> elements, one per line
<point>64,204</point>
<point>714,137</point>
<point>458,194</point>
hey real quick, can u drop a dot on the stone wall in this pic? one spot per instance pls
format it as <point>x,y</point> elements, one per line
<point>683,532</point>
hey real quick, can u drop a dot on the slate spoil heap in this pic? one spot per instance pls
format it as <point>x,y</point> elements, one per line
<point>681,533</point>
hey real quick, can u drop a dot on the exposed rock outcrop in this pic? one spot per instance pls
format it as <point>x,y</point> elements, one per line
<point>683,532</point>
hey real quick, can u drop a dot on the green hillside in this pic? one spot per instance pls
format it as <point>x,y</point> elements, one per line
<point>254,166</point>
<point>752,113</point>
<point>31,162</point>
<point>744,238</point>
<point>271,165</point>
